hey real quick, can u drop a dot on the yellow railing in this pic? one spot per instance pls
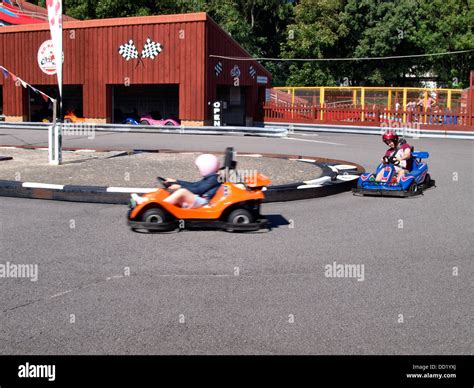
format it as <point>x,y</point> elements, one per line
<point>390,97</point>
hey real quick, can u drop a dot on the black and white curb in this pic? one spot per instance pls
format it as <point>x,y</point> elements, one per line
<point>336,178</point>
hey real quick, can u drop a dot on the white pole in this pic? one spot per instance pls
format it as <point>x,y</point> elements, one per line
<point>50,144</point>
<point>57,145</point>
<point>52,129</point>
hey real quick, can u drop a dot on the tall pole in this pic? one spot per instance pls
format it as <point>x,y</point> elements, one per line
<point>55,17</point>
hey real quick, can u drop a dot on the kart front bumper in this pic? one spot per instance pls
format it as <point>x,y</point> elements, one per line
<point>379,192</point>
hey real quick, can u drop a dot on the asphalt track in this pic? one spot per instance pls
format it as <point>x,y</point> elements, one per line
<point>267,293</point>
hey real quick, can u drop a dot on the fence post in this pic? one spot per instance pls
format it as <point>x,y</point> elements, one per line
<point>321,102</point>
<point>470,101</point>
<point>362,103</point>
<point>404,105</point>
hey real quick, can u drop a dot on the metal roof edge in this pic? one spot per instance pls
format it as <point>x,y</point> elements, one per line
<point>111,22</point>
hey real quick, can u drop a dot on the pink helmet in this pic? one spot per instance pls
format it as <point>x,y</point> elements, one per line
<point>207,164</point>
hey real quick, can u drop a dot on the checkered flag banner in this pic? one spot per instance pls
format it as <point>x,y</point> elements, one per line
<point>128,51</point>
<point>252,71</point>
<point>218,68</point>
<point>151,49</point>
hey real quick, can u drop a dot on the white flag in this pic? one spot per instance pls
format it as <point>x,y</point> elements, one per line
<point>55,17</point>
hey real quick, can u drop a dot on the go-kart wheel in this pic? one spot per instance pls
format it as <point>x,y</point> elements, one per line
<point>240,216</point>
<point>144,122</point>
<point>413,188</point>
<point>155,215</point>
<point>170,123</point>
<point>67,121</point>
<point>427,181</point>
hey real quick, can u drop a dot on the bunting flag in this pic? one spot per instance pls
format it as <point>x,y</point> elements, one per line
<point>25,84</point>
<point>55,17</point>
<point>45,97</point>
<point>4,71</point>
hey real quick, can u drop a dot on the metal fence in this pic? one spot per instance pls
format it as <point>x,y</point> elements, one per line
<point>448,119</point>
<point>387,97</point>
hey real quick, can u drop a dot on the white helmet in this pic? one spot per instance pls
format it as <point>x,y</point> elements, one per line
<point>207,164</point>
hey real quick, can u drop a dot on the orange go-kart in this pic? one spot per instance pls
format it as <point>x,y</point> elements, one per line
<point>234,208</point>
<point>71,117</point>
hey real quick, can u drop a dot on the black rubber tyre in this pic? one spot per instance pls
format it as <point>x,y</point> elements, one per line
<point>67,121</point>
<point>427,181</point>
<point>169,124</point>
<point>144,122</point>
<point>240,216</point>
<point>413,188</point>
<point>155,215</point>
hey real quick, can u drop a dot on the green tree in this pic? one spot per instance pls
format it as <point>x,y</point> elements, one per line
<point>318,31</point>
<point>446,25</point>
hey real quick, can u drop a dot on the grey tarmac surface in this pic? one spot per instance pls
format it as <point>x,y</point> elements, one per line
<point>125,169</point>
<point>265,293</point>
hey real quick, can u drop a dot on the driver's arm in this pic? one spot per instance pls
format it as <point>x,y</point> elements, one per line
<point>406,154</point>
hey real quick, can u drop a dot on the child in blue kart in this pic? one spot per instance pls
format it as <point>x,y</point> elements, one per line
<point>399,151</point>
<point>194,195</point>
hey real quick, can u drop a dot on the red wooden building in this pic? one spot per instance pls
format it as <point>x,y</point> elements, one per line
<point>116,66</point>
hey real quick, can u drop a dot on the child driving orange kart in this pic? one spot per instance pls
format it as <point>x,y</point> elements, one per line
<point>196,194</point>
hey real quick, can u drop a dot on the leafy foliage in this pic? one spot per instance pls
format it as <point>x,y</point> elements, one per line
<point>330,29</point>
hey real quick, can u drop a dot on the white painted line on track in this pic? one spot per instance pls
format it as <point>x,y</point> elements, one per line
<point>347,177</point>
<point>42,186</point>
<point>345,167</point>
<point>308,186</point>
<point>303,160</point>
<point>314,141</point>
<point>318,180</point>
<point>114,277</point>
<point>60,294</point>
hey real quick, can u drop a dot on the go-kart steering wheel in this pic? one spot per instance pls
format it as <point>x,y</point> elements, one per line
<point>391,159</point>
<point>163,183</point>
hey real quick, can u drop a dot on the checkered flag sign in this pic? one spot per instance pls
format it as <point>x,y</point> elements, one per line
<point>128,51</point>
<point>151,49</point>
<point>218,68</point>
<point>252,71</point>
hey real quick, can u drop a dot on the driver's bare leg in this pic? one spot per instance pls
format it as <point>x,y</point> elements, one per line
<point>400,173</point>
<point>379,176</point>
<point>181,197</point>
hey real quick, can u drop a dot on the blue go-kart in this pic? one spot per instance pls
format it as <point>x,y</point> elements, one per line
<point>411,184</point>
